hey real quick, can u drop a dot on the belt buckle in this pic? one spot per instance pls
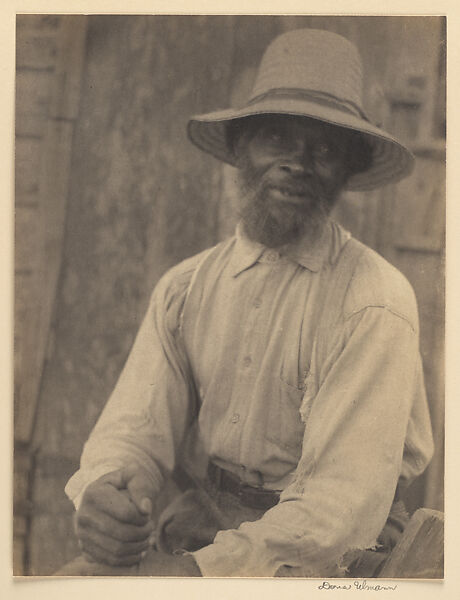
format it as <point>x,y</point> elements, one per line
<point>251,487</point>
<point>242,488</point>
<point>248,494</point>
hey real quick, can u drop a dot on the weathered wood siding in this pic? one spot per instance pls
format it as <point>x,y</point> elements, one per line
<point>49,62</point>
<point>141,198</point>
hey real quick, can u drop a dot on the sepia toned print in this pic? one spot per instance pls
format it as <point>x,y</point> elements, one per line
<point>264,324</point>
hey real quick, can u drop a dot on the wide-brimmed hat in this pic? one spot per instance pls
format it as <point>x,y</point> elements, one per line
<point>317,74</point>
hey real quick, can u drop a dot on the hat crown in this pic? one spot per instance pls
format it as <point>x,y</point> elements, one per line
<point>316,74</point>
<point>312,61</point>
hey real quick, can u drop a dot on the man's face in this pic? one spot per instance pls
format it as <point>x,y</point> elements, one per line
<point>292,170</point>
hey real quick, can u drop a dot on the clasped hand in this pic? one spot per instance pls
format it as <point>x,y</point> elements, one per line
<point>114,525</point>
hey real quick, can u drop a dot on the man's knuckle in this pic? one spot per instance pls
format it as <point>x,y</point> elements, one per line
<point>111,560</point>
<point>120,532</point>
<point>130,560</point>
<point>125,513</point>
<point>83,534</point>
<point>126,535</point>
<point>83,520</point>
<point>118,548</point>
<point>91,490</point>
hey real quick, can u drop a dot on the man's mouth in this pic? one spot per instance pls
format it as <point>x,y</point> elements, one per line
<point>287,194</point>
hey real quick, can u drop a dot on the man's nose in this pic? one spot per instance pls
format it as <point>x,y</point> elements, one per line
<point>294,167</point>
<point>297,161</point>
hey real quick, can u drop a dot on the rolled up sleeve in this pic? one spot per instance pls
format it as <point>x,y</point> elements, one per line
<point>357,409</point>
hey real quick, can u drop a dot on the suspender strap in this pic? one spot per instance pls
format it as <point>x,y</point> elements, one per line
<point>341,276</point>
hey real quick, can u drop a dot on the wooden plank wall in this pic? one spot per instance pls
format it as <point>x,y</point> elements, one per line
<point>141,198</point>
<point>49,61</point>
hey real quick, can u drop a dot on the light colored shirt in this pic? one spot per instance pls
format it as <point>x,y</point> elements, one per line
<point>237,349</point>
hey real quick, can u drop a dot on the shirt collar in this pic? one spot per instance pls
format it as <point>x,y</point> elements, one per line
<point>246,252</point>
<point>312,257</point>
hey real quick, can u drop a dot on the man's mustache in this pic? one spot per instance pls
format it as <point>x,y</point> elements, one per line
<point>275,178</point>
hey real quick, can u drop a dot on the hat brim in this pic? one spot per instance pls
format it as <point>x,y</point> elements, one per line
<point>391,160</point>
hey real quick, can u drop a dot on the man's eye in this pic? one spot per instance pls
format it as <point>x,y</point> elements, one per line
<point>323,150</point>
<point>273,136</point>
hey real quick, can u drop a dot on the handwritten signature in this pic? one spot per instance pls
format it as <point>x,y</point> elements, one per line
<point>357,585</point>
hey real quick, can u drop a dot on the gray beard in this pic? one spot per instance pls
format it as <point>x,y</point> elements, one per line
<point>280,223</point>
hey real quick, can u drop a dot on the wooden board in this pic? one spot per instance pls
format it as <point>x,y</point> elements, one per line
<point>34,89</point>
<point>42,176</point>
<point>43,259</point>
<point>69,67</point>
<point>21,507</point>
<point>420,551</point>
<point>26,231</point>
<point>37,51</point>
<point>422,204</point>
<point>43,151</point>
<point>27,166</point>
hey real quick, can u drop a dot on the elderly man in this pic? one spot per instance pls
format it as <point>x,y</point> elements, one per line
<point>286,356</point>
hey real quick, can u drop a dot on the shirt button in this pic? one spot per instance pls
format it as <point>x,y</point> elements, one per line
<point>257,303</point>
<point>272,256</point>
<point>235,418</point>
<point>247,360</point>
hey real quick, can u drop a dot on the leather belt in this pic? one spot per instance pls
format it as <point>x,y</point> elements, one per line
<point>253,497</point>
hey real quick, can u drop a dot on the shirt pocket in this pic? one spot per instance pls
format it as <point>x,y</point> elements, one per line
<point>285,426</point>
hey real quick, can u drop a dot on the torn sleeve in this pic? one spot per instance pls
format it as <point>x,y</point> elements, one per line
<point>357,418</point>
